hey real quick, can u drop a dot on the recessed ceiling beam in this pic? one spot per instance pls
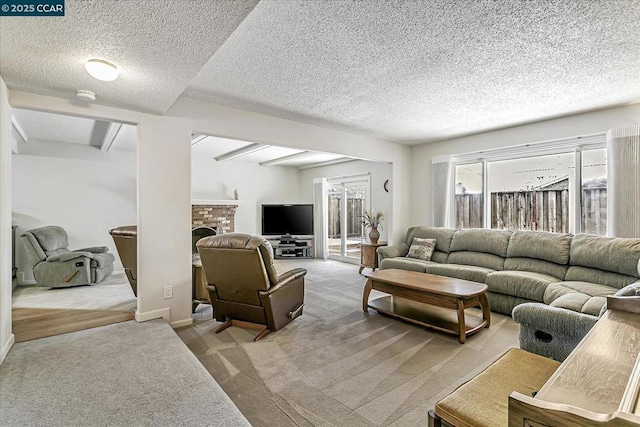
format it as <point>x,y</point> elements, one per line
<point>241,152</point>
<point>328,163</point>
<point>110,136</point>
<point>197,138</point>
<point>288,158</point>
<point>21,133</point>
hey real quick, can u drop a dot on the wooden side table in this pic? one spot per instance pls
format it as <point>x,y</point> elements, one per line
<point>369,256</point>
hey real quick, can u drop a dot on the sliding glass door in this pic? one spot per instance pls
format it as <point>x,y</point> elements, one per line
<point>347,201</point>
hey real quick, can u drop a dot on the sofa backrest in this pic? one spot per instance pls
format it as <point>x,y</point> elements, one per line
<point>612,261</point>
<point>443,238</point>
<point>540,252</point>
<point>480,247</point>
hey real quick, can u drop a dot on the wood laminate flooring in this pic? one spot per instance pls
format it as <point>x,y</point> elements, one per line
<point>33,323</point>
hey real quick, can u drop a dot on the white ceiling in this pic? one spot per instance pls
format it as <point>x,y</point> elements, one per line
<point>49,127</point>
<point>214,147</point>
<point>406,71</point>
<point>56,128</point>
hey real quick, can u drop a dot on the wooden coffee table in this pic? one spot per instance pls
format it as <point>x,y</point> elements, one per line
<point>428,300</point>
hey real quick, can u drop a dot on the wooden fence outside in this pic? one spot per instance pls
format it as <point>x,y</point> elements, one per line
<point>355,210</point>
<point>594,211</point>
<point>544,210</point>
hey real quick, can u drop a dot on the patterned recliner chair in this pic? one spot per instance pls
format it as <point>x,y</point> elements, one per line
<point>55,266</point>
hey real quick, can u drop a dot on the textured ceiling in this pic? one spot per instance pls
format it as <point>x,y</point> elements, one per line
<point>159,46</point>
<point>408,71</point>
<point>415,71</point>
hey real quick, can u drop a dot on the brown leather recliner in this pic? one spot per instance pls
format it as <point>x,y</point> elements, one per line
<point>244,286</point>
<point>126,240</point>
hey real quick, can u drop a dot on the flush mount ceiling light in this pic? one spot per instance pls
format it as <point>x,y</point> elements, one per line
<point>102,70</point>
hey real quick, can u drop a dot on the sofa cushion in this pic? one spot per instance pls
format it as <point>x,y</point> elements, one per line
<point>442,235</point>
<point>421,248</point>
<point>403,263</point>
<point>617,254</point>
<point>483,401</point>
<point>481,240</point>
<point>464,272</point>
<point>479,259</point>
<point>523,284</point>
<point>593,275</point>
<point>544,245</point>
<point>536,265</point>
<point>582,297</point>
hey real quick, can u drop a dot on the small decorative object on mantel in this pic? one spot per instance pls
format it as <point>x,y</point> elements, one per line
<point>235,194</point>
<point>373,220</point>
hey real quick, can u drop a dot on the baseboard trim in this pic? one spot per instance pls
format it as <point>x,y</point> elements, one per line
<point>164,313</point>
<point>6,347</point>
<point>181,323</point>
<point>23,282</point>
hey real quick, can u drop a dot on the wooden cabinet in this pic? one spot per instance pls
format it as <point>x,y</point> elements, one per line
<point>369,256</point>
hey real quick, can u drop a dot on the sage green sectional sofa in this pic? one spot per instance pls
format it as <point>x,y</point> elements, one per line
<point>564,275</point>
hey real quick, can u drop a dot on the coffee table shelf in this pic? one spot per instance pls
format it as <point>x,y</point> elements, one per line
<point>428,316</point>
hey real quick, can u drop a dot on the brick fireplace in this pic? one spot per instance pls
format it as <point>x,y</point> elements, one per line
<point>215,213</point>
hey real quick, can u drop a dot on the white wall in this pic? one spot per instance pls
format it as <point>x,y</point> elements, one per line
<point>216,120</point>
<point>84,190</point>
<point>379,173</point>
<point>164,178</point>
<point>579,124</point>
<point>212,180</point>
<point>6,142</point>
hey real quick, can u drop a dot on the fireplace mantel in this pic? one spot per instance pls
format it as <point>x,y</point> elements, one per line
<point>216,202</point>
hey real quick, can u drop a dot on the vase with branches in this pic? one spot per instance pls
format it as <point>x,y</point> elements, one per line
<point>373,220</point>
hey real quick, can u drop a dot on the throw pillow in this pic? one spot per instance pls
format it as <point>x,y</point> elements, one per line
<point>421,248</point>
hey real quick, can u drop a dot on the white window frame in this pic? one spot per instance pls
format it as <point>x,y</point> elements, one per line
<point>575,145</point>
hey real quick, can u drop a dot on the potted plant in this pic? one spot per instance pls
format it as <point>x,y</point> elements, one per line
<point>373,220</point>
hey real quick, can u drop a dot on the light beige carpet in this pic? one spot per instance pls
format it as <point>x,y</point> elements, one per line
<point>113,293</point>
<point>337,366</point>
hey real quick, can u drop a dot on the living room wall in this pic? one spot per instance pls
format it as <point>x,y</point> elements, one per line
<point>212,180</point>
<point>570,126</point>
<point>164,177</point>
<point>6,143</point>
<point>379,172</point>
<point>84,190</point>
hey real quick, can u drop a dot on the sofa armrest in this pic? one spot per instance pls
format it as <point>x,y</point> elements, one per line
<point>69,256</point>
<point>551,320</point>
<point>285,279</point>
<point>393,251</point>
<point>94,249</point>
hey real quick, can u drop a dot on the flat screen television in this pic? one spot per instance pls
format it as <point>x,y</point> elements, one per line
<point>280,220</point>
